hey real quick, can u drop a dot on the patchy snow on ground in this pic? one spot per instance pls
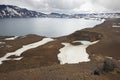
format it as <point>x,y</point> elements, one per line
<point>8,46</point>
<point>116,26</point>
<point>11,38</point>
<point>109,57</point>
<point>23,49</point>
<point>16,58</point>
<point>74,54</point>
<point>2,42</point>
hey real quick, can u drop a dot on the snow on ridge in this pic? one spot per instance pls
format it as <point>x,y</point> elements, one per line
<point>23,49</point>
<point>74,54</point>
<point>12,11</point>
<point>11,38</point>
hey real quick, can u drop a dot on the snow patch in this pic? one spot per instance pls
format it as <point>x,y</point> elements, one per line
<point>8,46</point>
<point>12,11</point>
<point>12,38</point>
<point>23,49</point>
<point>2,42</point>
<point>74,54</point>
<point>17,59</point>
<point>109,57</point>
<point>116,26</point>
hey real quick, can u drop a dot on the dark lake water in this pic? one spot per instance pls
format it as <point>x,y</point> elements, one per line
<point>50,27</point>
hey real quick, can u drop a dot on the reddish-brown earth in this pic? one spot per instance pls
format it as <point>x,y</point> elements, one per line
<point>41,63</point>
<point>109,45</point>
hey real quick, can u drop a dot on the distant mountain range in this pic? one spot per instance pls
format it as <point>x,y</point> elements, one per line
<point>10,11</point>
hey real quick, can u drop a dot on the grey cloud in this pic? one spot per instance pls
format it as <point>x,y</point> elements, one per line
<point>66,5</point>
<point>108,4</point>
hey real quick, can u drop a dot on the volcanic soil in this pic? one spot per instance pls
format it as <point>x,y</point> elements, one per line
<point>41,63</point>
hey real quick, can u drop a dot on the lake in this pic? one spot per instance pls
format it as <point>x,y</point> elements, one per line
<point>50,27</point>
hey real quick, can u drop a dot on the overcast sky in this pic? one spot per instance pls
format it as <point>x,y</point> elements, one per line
<point>67,6</point>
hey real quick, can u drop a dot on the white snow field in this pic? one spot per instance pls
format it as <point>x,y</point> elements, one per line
<point>73,54</point>
<point>23,49</point>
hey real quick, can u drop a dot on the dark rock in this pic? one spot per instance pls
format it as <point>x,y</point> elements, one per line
<point>109,65</point>
<point>76,43</point>
<point>96,72</point>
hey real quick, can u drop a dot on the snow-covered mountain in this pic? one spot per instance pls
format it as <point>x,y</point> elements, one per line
<point>9,11</point>
<point>58,15</point>
<point>97,15</point>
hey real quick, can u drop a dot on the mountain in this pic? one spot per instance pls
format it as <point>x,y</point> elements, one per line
<point>9,11</point>
<point>58,15</point>
<point>97,15</point>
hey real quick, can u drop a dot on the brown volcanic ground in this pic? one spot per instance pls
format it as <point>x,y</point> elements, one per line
<point>109,45</point>
<point>41,63</point>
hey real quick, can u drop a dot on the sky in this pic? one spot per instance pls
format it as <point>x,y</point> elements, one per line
<point>67,6</point>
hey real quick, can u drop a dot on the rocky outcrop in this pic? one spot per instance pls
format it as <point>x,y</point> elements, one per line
<point>109,66</point>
